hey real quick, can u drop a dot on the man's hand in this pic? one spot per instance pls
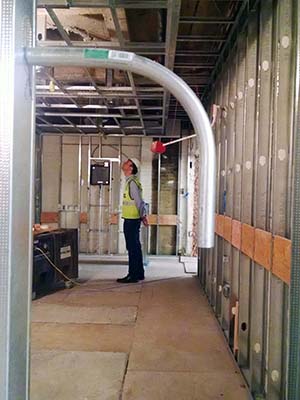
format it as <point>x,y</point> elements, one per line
<point>145,220</point>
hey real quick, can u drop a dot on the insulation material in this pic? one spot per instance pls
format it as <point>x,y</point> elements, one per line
<point>51,173</point>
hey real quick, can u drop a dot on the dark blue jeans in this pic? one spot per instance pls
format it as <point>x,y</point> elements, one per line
<point>133,245</point>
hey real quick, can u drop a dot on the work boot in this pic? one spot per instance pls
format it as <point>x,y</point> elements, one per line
<point>127,279</point>
<point>121,280</point>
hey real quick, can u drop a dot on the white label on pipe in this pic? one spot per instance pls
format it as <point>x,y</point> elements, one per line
<point>265,65</point>
<point>237,168</point>
<point>262,160</point>
<point>120,55</point>
<point>248,164</point>
<point>281,154</point>
<point>285,42</point>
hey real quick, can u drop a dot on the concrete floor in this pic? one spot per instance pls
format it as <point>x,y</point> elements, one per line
<point>156,340</point>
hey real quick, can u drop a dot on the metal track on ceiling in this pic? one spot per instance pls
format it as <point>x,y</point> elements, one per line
<point>189,37</point>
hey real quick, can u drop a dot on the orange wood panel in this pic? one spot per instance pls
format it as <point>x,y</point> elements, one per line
<point>83,218</point>
<point>220,225</point>
<point>163,219</point>
<point>281,263</point>
<point>262,248</point>
<point>167,219</point>
<point>248,240</point>
<point>236,233</point>
<point>49,217</point>
<point>227,228</point>
<point>152,219</point>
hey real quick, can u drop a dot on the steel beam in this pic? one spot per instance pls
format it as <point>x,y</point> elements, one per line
<point>206,20</point>
<point>59,26</point>
<point>88,94</point>
<point>155,48</point>
<point>201,38</point>
<point>139,4</point>
<point>194,65</point>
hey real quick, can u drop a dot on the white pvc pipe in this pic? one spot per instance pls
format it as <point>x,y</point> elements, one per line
<point>180,140</point>
<point>174,84</point>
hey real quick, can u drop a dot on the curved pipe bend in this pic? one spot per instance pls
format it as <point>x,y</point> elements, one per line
<point>127,61</point>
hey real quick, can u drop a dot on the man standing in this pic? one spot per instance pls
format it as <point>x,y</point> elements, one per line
<point>133,212</point>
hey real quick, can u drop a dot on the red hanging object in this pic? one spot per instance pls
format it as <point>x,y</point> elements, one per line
<point>158,147</point>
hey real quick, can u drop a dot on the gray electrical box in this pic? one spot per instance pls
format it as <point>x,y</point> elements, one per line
<point>100,173</point>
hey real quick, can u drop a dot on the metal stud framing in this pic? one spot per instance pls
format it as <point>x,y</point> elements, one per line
<point>259,282</point>
<point>260,193</point>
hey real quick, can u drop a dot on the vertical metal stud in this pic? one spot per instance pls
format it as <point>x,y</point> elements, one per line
<point>79,183</point>
<point>158,205</point>
<point>247,188</point>
<point>38,178</point>
<point>282,131</point>
<point>238,156</point>
<point>259,286</point>
<point>16,195</point>
<point>231,115</point>
<point>219,243</point>
<point>225,318</point>
<point>294,340</point>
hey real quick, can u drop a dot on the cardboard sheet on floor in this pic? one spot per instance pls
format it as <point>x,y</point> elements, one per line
<point>76,375</point>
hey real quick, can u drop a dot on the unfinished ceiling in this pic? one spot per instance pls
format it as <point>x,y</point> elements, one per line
<point>188,37</point>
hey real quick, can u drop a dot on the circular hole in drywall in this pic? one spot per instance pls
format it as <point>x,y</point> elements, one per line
<point>244,326</point>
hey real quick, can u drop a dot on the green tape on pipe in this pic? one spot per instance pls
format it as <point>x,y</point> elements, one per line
<point>96,53</point>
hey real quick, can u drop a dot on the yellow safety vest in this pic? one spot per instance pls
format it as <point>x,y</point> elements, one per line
<point>129,209</point>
